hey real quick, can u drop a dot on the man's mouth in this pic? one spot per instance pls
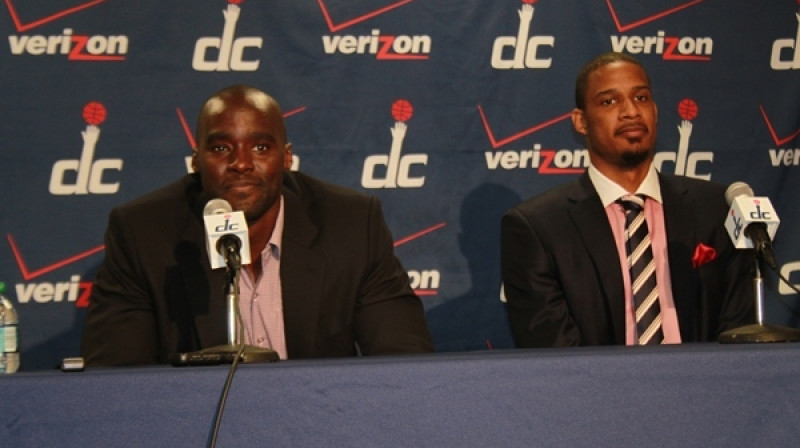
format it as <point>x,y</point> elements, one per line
<point>632,131</point>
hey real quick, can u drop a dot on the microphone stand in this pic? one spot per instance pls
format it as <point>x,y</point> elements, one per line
<point>759,332</point>
<point>235,346</point>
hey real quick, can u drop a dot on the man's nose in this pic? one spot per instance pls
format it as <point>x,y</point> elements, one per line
<point>630,108</point>
<point>241,159</point>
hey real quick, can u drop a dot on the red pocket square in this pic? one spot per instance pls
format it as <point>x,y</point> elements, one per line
<point>703,254</point>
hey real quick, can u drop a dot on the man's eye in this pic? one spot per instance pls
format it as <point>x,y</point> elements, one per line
<point>219,148</point>
<point>642,98</point>
<point>607,101</point>
<point>260,148</point>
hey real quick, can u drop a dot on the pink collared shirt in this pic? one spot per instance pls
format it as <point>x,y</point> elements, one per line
<point>260,300</point>
<point>654,215</point>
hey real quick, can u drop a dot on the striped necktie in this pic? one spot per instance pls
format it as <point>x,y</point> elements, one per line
<point>643,271</point>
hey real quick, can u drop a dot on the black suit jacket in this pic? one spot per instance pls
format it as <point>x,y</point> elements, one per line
<point>563,280</point>
<point>155,293</point>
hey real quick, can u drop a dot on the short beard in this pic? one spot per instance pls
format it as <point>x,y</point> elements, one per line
<point>255,211</point>
<point>634,158</point>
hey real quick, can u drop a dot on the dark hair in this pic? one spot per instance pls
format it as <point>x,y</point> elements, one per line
<point>582,80</point>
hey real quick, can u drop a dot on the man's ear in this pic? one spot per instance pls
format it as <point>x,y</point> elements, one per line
<point>579,121</point>
<point>194,160</point>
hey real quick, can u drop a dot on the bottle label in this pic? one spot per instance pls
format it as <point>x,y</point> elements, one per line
<point>8,339</point>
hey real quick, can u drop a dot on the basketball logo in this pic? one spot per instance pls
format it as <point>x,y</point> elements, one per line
<point>402,110</point>
<point>687,109</point>
<point>528,2</point>
<point>94,113</point>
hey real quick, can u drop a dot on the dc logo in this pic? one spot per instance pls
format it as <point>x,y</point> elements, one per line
<point>230,51</point>
<point>89,173</point>
<point>526,50</point>
<point>398,167</point>
<point>737,225</point>
<point>686,163</point>
<point>787,272</point>
<point>777,62</point>
<point>227,226</point>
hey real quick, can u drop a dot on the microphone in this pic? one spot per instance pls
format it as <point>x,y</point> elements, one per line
<point>226,233</point>
<point>751,222</point>
<point>228,246</point>
<point>217,206</point>
<point>226,230</point>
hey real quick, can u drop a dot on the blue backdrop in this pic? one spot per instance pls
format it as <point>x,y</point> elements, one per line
<point>449,111</point>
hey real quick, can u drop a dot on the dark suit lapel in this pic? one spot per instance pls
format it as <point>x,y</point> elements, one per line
<point>591,221</point>
<point>679,219</point>
<point>302,277</point>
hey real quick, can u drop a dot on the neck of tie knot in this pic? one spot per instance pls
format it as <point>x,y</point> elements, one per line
<point>632,202</point>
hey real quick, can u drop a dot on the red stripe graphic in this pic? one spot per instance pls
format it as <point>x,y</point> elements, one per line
<point>26,26</point>
<point>28,275</point>
<point>414,236</point>
<point>497,143</point>
<point>778,141</point>
<point>359,19</point>
<point>622,28</point>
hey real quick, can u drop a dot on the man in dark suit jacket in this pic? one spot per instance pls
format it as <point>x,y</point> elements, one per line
<point>343,291</point>
<point>561,265</point>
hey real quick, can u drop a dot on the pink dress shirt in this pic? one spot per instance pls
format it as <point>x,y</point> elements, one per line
<point>260,300</point>
<point>654,215</point>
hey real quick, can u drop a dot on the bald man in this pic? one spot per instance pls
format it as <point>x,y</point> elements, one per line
<point>323,282</point>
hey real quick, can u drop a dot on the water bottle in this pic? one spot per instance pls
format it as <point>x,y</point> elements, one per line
<point>9,353</point>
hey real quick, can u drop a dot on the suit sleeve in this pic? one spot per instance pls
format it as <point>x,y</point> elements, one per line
<point>537,306</point>
<point>120,326</point>
<point>738,309</point>
<point>389,317</point>
<point>728,283</point>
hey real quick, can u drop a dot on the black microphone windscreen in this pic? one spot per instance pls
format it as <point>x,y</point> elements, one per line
<point>228,242</point>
